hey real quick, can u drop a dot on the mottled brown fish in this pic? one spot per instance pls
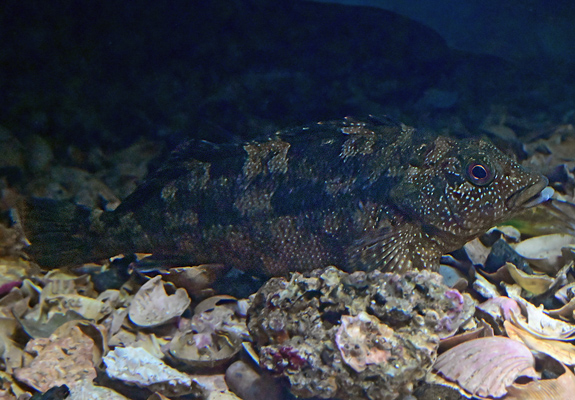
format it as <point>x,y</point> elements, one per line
<point>358,195</point>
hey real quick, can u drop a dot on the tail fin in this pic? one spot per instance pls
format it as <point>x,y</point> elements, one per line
<point>59,232</point>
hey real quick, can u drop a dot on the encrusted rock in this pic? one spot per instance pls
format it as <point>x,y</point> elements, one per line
<point>58,360</point>
<point>354,336</point>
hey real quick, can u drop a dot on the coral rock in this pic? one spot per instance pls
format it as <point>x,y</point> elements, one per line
<point>354,336</point>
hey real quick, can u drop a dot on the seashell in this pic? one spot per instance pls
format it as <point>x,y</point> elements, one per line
<point>483,330</point>
<point>248,349</point>
<point>561,351</point>
<point>85,306</point>
<point>500,307</point>
<point>544,252</point>
<point>134,365</point>
<point>10,350</point>
<point>147,341</point>
<point>151,305</point>
<point>558,216</point>
<point>219,314</point>
<point>242,307</point>
<point>567,312</point>
<point>536,284</point>
<point>63,283</point>
<point>197,280</point>
<point>85,390</point>
<point>476,251</point>
<point>12,272</point>
<point>486,366</point>
<point>540,324</point>
<point>204,349</point>
<point>117,320</point>
<point>509,232</point>
<point>210,383</point>
<point>215,301</point>
<point>513,291</point>
<point>43,328</point>
<point>566,293</point>
<point>30,288</point>
<point>545,389</point>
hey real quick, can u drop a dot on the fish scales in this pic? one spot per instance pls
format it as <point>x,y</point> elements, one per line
<point>355,194</point>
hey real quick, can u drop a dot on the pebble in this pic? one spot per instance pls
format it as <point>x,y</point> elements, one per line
<point>248,384</point>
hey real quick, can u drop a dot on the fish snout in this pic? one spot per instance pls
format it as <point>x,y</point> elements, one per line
<point>531,195</point>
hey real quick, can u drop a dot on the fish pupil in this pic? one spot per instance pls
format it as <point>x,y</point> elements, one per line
<point>479,174</point>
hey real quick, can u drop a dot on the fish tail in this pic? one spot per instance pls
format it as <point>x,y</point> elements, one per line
<point>60,233</point>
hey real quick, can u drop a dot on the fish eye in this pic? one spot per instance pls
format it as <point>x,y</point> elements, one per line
<point>479,174</point>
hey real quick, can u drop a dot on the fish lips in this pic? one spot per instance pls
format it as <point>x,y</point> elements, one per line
<point>530,195</point>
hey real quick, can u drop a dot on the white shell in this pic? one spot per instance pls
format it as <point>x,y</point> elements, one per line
<point>135,365</point>
<point>544,252</point>
<point>85,390</point>
<point>151,306</point>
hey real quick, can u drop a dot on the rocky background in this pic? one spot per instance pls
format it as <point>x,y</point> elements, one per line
<point>106,74</point>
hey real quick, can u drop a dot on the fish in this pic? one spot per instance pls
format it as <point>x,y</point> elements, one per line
<point>358,194</point>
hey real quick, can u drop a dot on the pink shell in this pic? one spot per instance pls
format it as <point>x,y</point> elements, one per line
<point>486,366</point>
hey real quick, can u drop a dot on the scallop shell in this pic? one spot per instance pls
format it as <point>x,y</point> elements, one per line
<point>486,366</point>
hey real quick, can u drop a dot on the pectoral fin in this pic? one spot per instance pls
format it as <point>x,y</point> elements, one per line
<point>395,249</point>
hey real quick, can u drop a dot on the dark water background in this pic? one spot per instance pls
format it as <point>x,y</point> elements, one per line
<point>105,73</point>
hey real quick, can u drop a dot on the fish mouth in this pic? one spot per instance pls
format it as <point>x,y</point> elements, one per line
<point>531,195</point>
